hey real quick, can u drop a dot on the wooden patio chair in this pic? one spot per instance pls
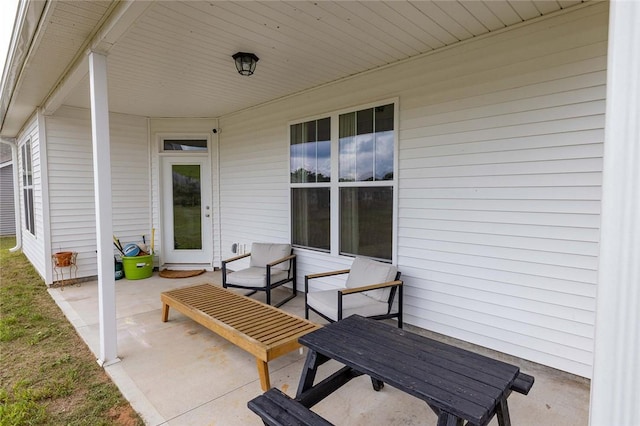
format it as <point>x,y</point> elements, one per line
<point>370,291</point>
<point>271,265</point>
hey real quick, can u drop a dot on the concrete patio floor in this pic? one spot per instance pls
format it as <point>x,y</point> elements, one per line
<point>179,373</point>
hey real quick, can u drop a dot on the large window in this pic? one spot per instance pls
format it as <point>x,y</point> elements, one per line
<point>27,188</point>
<point>310,160</point>
<point>361,215</point>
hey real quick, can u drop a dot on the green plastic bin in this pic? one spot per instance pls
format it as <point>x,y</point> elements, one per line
<point>137,267</point>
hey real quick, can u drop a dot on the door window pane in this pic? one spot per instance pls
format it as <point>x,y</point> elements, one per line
<point>187,211</point>
<point>310,213</point>
<point>192,145</point>
<point>366,221</point>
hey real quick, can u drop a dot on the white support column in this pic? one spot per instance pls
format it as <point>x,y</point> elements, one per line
<point>615,388</point>
<point>104,227</point>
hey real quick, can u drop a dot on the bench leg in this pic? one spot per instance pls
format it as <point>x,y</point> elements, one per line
<point>263,372</point>
<point>165,312</point>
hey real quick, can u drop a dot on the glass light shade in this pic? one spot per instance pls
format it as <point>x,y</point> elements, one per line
<point>245,62</point>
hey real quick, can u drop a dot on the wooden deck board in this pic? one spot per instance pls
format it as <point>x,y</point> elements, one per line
<point>262,330</point>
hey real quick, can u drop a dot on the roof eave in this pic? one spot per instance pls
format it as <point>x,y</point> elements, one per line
<point>26,25</point>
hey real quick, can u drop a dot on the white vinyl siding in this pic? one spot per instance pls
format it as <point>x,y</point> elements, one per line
<point>71,189</point>
<point>500,192</point>
<point>7,210</point>
<point>500,168</point>
<point>254,182</point>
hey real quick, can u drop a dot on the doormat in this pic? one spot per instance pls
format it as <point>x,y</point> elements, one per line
<point>168,273</point>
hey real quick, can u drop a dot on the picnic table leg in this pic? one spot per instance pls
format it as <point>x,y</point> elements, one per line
<point>308,372</point>
<point>165,312</point>
<point>263,372</point>
<point>447,419</point>
<point>502,412</point>
<point>377,384</point>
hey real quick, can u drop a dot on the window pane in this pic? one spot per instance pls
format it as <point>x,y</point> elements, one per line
<point>384,118</point>
<point>27,188</point>
<point>309,161</point>
<point>324,150</point>
<point>364,157</point>
<point>187,212</point>
<point>295,154</point>
<point>384,138</point>
<point>384,155</point>
<point>347,147</point>
<point>31,213</point>
<point>309,131</point>
<point>198,145</point>
<point>310,156</point>
<point>365,121</point>
<point>310,217</point>
<point>364,145</point>
<point>367,145</point>
<point>366,220</point>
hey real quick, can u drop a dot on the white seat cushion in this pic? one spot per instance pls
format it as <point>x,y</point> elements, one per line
<point>327,303</point>
<point>366,272</point>
<point>255,277</point>
<point>263,253</point>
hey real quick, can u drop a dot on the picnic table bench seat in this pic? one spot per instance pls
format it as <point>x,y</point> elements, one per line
<point>275,408</point>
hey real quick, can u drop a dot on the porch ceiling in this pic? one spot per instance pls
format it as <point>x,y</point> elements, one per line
<point>174,58</point>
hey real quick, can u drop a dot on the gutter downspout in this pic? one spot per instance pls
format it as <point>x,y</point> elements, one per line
<point>16,191</point>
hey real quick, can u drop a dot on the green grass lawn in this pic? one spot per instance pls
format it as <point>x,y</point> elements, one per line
<point>48,376</point>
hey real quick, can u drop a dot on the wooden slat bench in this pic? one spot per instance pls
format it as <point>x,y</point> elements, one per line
<point>262,330</point>
<point>275,408</point>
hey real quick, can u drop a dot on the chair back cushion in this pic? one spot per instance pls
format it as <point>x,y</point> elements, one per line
<point>366,272</point>
<point>263,253</point>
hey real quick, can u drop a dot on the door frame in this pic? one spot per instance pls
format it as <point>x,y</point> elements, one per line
<point>200,258</point>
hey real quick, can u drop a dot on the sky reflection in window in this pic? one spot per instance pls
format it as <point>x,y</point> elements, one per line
<point>310,151</point>
<point>366,145</point>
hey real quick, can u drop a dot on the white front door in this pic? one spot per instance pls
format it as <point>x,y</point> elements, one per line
<point>187,210</point>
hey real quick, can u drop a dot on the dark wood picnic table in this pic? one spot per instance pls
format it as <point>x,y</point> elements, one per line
<point>460,386</point>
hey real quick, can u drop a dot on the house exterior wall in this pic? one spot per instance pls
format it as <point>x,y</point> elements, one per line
<point>7,210</point>
<point>500,160</point>
<point>71,188</point>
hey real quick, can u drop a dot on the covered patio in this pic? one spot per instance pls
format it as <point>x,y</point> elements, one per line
<point>179,373</point>
<point>508,180</point>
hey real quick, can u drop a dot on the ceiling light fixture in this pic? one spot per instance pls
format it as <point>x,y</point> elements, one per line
<point>245,62</point>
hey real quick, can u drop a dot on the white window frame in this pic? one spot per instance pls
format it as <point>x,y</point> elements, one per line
<point>334,183</point>
<point>27,188</point>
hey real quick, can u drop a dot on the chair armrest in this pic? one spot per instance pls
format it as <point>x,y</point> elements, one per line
<point>284,259</point>
<point>326,274</point>
<point>233,259</point>
<point>370,287</point>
